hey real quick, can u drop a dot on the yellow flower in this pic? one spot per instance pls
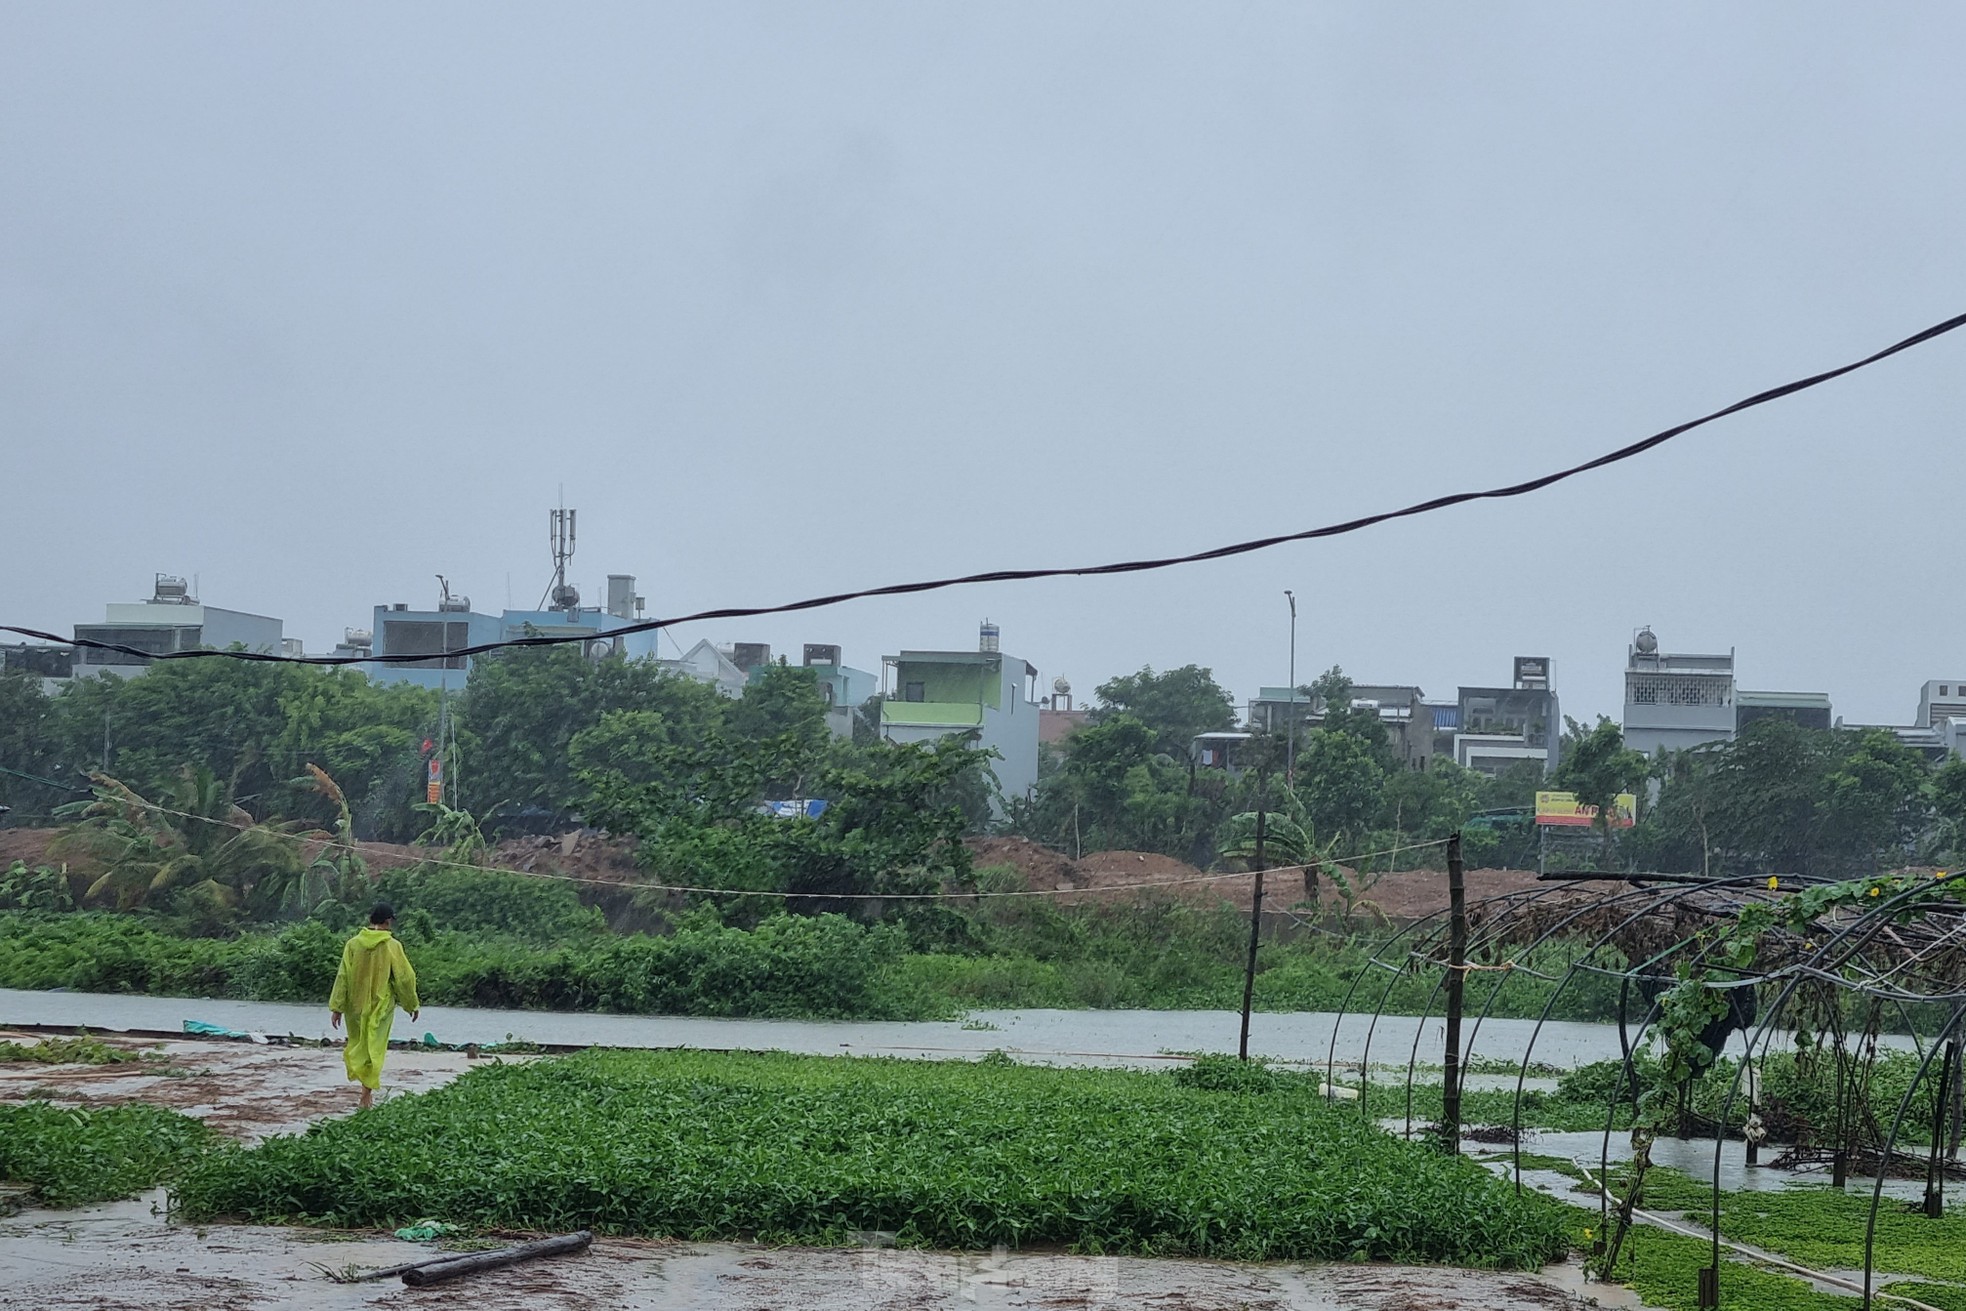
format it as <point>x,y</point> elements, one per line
<point>1773,882</point>
<point>1588,1235</point>
<point>1938,873</point>
<point>1875,891</point>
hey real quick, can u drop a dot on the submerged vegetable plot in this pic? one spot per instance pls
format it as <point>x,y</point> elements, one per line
<point>819,1150</point>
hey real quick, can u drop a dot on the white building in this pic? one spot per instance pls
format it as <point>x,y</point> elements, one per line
<point>1939,700</point>
<point>171,620</point>
<point>1676,701</point>
<point>705,663</point>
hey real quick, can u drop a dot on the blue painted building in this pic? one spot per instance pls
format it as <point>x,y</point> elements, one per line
<point>454,626</point>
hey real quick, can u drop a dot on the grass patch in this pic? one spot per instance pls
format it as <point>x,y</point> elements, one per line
<point>808,1149</point>
<point>71,1157</point>
<point>80,1049</point>
<point>1664,1269</point>
<point>1819,1227</point>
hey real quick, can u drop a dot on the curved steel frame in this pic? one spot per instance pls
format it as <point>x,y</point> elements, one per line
<point>1843,946</point>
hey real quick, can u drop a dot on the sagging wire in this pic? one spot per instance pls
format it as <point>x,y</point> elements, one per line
<point>1437,503</point>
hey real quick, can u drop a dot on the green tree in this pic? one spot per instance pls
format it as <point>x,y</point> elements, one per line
<point>367,735</point>
<point>1430,803</point>
<point>255,725</point>
<point>522,710</point>
<point>1176,706</point>
<point>1517,785</point>
<point>784,709</point>
<point>1762,802</point>
<point>894,822</point>
<point>1340,781</point>
<point>1331,696</point>
<point>219,716</point>
<point>1785,799</point>
<point>1597,766</point>
<point>1949,806</point>
<point>31,785</point>
<point>781,700</point>
<point>1114,789</point>
<point>1679,830</point>
<point>1875,799</point>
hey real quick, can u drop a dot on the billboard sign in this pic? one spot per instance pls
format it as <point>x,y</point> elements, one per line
<point>1560,810</point>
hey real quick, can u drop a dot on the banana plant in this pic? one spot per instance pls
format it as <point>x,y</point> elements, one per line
<point>195,837</point>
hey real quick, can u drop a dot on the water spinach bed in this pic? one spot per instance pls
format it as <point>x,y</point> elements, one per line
<point>824,1149</point>
<point>69,1157</point>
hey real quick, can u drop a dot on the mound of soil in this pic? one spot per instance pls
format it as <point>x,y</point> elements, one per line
<point>581,855</point>
<point>27,845</point>
<point>1112,875</point>
<point>1042,868</point>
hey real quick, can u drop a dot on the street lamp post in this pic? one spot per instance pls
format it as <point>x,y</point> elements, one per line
<point>1290,744</point>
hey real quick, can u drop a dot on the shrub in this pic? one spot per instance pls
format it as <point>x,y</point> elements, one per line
<point>1218,1073</point>
<point>296,964</point>
<point>489,901</point>
<point>39,888</point>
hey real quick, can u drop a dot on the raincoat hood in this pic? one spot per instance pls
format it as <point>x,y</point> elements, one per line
<point>370,939</point>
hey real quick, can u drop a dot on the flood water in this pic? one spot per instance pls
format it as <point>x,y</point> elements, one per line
<point>1062,1037</point>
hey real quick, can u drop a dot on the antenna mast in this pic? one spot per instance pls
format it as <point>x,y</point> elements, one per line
<point>564,595</point>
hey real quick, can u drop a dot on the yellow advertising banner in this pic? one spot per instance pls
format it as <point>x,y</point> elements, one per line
<point>1560,810</point>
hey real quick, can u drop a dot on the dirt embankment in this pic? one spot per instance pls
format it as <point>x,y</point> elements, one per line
<point>27,845</point>
<point>1112,875</point>
<point>605,870</point>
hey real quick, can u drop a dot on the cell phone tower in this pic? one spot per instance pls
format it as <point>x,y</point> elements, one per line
<point>564,595</point>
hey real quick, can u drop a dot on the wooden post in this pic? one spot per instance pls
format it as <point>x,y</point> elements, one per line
<point>1935,1174</point>
<point>1839,1161</point>
<point>1255,919</point>
<point>1457,978</point>
<point>471,1262</point>
<point>1754,1102</point>
<point>1957,1112</point>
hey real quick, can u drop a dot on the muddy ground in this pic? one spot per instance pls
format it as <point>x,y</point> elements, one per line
<point>128,1256</point>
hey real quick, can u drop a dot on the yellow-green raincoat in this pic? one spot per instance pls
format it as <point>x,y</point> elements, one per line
<point>374,979</point>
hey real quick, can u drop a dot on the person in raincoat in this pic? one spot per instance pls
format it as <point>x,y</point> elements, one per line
<point>374,979</point>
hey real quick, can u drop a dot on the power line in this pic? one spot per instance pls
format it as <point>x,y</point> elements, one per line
<point>1027,575</point>
<point>45,782</point>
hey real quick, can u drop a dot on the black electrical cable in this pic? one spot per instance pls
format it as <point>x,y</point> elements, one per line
<point>1026,575</point>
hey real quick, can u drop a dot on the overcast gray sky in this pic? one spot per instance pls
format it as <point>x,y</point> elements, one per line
<point>318,301</point>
